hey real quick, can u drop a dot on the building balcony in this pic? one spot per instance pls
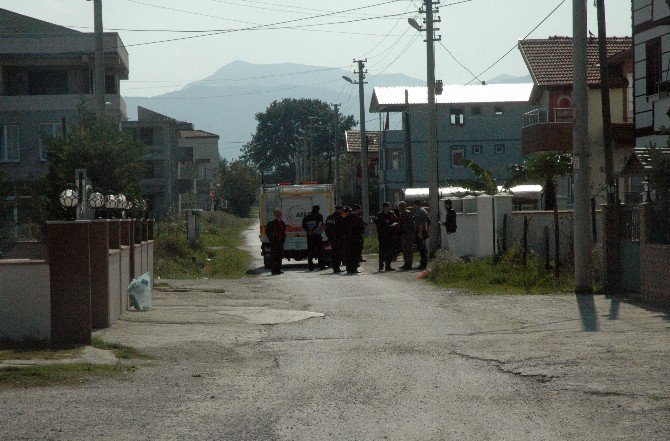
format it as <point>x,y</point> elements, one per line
<point>54,103</point>
<point>545,137</point>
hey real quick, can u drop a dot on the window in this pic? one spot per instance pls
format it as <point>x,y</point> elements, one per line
<point>476,111</point>
<point>654,65</point>
<point>457,154</point>
<point>110,85</point>
<point>457,117</point>
<point>9,143</point>
<point>393,159</point>
<point>500,149</point>
<point>498,110</point>
<point>147,135</point>
<point>476,150</point>
<point>50,129</point>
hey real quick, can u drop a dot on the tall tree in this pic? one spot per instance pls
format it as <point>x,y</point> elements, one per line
<point>545,168</point>
<point>288,131</point>
<point>239,184</point>
<point>112,159</point>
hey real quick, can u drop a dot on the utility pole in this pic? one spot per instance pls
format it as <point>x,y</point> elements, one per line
<point>580,151</point>
<point>336,107</point>
<point>365,193</point>
<point>605,98</point>
<point>408,143</point>
<point>99,63</point>
<point>430,8</point>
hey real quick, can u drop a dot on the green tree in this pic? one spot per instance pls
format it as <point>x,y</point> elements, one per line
<point>112,159</point>
<point>239,185</point>
<point>285,132</point>
<point>544,168</point>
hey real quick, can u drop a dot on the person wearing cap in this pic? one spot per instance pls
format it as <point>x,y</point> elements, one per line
<point>355,228</point>
<point>385,221</point>
<point>313,226</point>
<point>407,235</point>
<point>275,230</point>
<point>333,227</point>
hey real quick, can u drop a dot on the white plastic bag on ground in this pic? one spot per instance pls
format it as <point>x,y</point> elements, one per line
<point>139,293</point>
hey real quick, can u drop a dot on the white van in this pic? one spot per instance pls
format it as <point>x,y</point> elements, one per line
<point>295,202</point>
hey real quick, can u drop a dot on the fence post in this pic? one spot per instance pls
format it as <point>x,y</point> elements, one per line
<point>547,251</point>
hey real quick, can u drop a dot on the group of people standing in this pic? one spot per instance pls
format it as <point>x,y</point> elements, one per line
<point>398,230</point>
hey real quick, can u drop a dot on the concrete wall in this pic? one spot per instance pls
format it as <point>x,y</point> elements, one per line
<point>25,311</point>
<point>137,262</point>
<point>124,277</point>
<point>114,286</point>
<point>477,232</point>
<point>655,261</point>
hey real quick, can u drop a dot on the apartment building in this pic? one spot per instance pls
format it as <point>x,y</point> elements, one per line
<point>46,75</point>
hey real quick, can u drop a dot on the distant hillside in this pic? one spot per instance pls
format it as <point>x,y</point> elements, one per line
<point>227,101</point>
<point>510,79</point>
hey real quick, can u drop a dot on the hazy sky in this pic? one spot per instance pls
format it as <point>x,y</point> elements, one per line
<point>477,32</point>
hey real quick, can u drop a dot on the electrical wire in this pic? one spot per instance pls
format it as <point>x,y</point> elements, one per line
<point>457,61</point>
<point>517,44</point>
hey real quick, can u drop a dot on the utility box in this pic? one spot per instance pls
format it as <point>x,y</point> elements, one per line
<point>194,225</point>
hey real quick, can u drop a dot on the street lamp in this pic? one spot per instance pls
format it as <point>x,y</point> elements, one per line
<point>347,79</point>
<point>95,200</point>
<point>69,199</point>
<point>415,24</point>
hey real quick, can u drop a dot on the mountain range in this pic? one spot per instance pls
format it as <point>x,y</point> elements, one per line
<point>227,101</point>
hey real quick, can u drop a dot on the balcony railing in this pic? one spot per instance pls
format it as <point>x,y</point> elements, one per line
<point>539,116</point>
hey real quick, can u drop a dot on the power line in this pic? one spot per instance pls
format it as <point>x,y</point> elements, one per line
<point>457,61</point>
<point>517,44</point>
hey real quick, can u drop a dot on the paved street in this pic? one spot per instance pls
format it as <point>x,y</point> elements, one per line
<point>372,356</point>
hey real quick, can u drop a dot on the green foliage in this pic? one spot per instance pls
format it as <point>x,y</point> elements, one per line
<point>542,168</point>
<point>504,275</point>
<point>240,185</point>
<point>113,161</point>
<point>286,129</point>
<point>58,374</point>
<point>216,256</point>
<point>485,180</point>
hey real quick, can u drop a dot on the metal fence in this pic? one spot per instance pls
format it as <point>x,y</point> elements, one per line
<point>629,223</point>
<point>659,224</point>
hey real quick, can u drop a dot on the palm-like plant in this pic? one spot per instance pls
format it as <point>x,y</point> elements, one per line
<point>485,180</point>
<point>544,168</point>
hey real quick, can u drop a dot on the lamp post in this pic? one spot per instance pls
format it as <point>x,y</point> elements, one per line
<point>95,201</point>
<point>69,199</point>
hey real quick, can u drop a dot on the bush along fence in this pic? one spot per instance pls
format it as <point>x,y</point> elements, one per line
<point>80,285</point>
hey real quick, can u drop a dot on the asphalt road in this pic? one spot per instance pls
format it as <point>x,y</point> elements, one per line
<point>312,355</point>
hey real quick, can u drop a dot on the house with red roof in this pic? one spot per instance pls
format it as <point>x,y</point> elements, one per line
<point>549,126</point>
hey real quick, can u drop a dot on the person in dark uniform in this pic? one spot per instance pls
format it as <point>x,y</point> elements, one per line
<point>313,226</point>
<point>355,229</point>
<point>335,237</point>
<point>386,221</point>
<point>275,231</point>
<point>406,221</point>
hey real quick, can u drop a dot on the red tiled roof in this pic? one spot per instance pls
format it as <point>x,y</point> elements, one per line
<point>550,60</point>
<point>354,141</point>
<point>197,134</point>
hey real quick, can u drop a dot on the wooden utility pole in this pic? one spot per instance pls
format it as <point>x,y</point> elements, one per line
<point>605,98</point>
<point>580,148</point>
<point>336,107</point>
